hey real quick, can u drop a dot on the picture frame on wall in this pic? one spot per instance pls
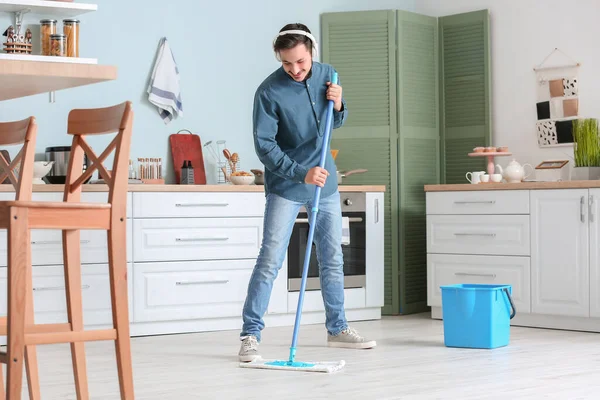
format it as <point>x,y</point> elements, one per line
<point>557,104</point>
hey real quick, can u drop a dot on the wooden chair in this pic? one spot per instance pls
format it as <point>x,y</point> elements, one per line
<point>71,216</point>
<point>13,133</point>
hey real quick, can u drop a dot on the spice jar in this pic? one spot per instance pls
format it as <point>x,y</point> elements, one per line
<point>71,31</point>
<point>47,28</point>
<point>58,45</point>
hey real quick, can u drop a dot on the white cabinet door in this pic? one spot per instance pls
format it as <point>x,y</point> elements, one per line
<point>375,250</point>
<point>560,252</point>
<point>594,215</point>
<point>453,269</point>
<point>182,239</point>
<point>172,291</point>
<point>479,234</point>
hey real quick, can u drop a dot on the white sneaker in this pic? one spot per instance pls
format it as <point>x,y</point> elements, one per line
<point>349,338</point>
<point>248,349</point>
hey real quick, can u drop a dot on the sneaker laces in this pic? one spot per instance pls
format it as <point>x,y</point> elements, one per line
<point>249,343</point>
<point>353,333</point>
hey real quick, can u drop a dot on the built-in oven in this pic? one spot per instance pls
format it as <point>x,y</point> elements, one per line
<point>354,209</point>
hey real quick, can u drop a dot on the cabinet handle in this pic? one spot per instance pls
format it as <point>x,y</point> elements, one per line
<point>201,204</point>
<point>40,289</point>
<point>55,242</point>
<point>473,274</point>
<point>476,202</point>
<point>184,283</point>
<point>201,239</point>
<point>591,204</point>
<point>475,234</point>
<point>376,210</point>
<point>581,208</point>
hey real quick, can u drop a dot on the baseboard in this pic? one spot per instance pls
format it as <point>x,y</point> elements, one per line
<point>529,320</point>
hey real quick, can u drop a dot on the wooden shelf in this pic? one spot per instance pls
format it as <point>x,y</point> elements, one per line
<point>26,78</point>
<point>47,8</point>
<point>32,57</point>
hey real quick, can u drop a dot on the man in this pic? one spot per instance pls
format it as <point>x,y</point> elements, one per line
<point>289,119</point>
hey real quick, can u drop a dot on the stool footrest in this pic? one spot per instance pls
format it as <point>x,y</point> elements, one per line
<point>70,337</point>
<point>40,328</point>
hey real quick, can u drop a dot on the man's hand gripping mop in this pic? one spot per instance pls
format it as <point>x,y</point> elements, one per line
<point>292,364</point>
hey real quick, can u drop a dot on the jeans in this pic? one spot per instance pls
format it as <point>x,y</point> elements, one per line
<point>280,216</point>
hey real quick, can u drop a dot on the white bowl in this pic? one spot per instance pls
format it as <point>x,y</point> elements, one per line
<point>242,180</point>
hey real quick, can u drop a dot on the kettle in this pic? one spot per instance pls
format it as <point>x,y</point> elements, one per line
<point>514,172</point>
<point>60,156</point>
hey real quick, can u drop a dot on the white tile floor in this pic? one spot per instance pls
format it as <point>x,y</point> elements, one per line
<point>410,362</point>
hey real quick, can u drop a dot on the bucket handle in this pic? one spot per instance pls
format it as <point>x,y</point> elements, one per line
<point>512,305</point>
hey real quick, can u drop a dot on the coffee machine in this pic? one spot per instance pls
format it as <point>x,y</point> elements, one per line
<point>60,156</point>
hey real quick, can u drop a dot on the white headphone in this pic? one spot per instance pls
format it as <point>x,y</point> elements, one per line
<point>315,46</point>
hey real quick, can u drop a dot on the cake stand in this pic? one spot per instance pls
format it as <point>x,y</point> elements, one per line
<point>490,158</point>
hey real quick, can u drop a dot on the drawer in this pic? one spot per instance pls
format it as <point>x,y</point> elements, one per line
<point>447,269</point>
<point>46,246</point>
<point>190,290</point>
<point>478,202</point>
<point>177,205</point>
<point>478,234</point>
<point>49,296</point>
<point>86,197</point>
<point>184,239</point>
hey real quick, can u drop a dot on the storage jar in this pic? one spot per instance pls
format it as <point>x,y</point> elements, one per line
<point>71,31</point>
<point>47,28</point>
<point>58,45</point>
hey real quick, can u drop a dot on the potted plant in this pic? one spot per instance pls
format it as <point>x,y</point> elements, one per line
<point>586,149</point>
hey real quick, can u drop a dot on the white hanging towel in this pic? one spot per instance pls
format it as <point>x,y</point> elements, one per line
<point>345,230</point>
<point>164,91</point>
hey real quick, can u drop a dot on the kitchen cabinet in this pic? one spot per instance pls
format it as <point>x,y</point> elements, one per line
<point>560,252</point>
<point>418,90</point>
<point>191,252</point>
<point>594,252</point>
<point>194,253</point>
<point>556,283</point>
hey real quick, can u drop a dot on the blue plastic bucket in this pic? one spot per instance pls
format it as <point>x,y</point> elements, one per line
<point>477,316</point>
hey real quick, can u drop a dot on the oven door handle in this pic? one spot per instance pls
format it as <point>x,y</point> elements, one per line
<point>305,220</point>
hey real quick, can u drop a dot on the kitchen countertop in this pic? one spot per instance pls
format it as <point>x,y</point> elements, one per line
<point>514,186</point>
<point>186,188</point>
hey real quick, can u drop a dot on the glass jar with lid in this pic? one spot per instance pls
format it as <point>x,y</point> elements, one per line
<point>58,45</point>
<point>47,28</point>
<point>71,31</point>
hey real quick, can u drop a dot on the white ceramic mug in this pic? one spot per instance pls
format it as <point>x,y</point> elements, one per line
<point>475,176</point>
<point>485,178</point>
<point>496,178</point>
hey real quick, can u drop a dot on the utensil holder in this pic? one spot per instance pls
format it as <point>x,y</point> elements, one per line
<point>223,172</point>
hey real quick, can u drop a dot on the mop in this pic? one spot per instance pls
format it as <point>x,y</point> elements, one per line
<point>291,363</point>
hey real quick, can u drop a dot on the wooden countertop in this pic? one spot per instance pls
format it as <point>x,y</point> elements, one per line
<point>514,186</point>
<point>186,188</point>
<point>25,78</point>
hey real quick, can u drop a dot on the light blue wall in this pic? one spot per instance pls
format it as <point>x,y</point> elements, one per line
<point>223,50</point>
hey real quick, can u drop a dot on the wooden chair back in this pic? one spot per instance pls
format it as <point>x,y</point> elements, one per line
<point>14,133</point>
<point>100,121</point>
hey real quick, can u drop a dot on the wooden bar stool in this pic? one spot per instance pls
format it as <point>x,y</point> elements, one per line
<point>14,133</point>
<point>71,216</point>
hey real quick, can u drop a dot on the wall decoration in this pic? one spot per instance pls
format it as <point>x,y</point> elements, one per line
<point>557,103</point>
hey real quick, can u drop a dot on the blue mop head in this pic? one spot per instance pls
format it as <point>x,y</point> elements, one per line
<point>316,366</point>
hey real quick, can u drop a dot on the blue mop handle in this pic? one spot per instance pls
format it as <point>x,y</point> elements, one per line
<point>313,219</point>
